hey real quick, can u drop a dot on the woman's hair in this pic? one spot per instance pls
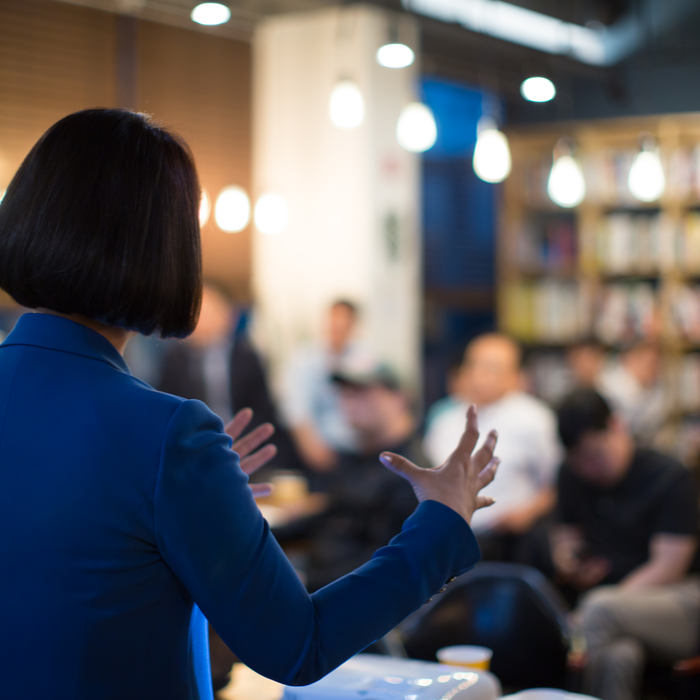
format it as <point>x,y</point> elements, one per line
<point>101,219</point>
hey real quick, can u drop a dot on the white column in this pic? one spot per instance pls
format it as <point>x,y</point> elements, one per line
<point>353,194</point>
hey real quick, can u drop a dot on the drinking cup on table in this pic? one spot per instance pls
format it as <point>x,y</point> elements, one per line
<point>548,694</point>
<point>467,656</point>
<point>289,488</point>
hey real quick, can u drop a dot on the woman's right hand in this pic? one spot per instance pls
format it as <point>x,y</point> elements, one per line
<point>459,480</point>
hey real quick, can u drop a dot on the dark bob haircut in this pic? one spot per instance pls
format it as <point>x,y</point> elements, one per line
<point>582,411</point>
<point>101,219</point>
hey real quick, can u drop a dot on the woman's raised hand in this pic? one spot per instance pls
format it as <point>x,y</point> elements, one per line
<point>247,446</point>
<point>459,480</point>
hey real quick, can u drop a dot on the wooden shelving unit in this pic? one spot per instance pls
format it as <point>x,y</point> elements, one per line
<point>612,268</point>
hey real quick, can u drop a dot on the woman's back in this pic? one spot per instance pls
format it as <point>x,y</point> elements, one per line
<point>85,591</point>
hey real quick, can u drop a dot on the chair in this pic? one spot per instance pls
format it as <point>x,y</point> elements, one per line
<point>509,608</point>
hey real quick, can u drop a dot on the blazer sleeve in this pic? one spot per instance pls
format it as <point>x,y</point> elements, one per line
<point>214,539</point>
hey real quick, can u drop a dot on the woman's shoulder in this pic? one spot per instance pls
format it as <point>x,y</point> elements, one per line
<point>177,412</point>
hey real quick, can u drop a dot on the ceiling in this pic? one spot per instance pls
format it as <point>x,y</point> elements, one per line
<point>665,53</point>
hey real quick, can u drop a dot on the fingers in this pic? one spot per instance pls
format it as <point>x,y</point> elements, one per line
<point>484,455</point>
<point>261,490</point>
<point>469,438</point>
<point>484,502</point>
<point>239,422</point>
<point>253,439</point>
<point>400,465</point>
<point>487,474</point>
<point>258,459</point>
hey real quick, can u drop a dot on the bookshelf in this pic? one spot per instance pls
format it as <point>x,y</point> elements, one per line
<point>613,268</point>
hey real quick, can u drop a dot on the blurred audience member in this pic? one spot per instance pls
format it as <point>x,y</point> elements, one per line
<point>527,443</point>
<point>216,366</point>
<point>310,401</point>
<point>367,503</point>
<point>551,375</point>
<point>586,361</point>
<point>628,519</point>
<point>222,368</point>
<point>634,389</point>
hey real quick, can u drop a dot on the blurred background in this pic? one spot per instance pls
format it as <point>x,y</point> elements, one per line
<point>450,167</point>
<point>384,185</point>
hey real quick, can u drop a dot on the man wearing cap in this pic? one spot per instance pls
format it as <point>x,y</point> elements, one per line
<point>367,504</point>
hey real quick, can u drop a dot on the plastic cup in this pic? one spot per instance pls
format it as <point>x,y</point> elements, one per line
<point>466,656</point>
<point>549,694</point>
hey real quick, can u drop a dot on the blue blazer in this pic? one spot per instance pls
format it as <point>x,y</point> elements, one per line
<point>122,507</point>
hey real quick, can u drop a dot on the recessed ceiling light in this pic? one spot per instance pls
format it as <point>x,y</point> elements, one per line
<point>395,56</point>
<point>210,13</point>
<point>538,90</point>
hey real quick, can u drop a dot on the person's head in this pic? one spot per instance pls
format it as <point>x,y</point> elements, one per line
<point>643,362</point>
<point>586,360</point>
<point>491,368</point>
<point>101,220</point>
<point>599,447</point>
<point>340,324</point>
<point>375,406</point>
<point>216,318</point>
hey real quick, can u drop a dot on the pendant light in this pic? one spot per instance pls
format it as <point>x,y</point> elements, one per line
<point>566,186</point>
<point>647,181</point>
<point>492,161</point>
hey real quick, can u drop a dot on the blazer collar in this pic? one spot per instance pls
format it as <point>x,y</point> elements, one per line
<point>57,333</point>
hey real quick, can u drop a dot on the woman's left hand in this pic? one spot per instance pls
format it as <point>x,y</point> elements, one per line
<point>252,458</point>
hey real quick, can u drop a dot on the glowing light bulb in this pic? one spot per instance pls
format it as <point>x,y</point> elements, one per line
<point>346,107</point>
<point>538,90</point>
<point>395,56</point>
<point>646,179</point>
<point>416,130</point>
<point>492,162</point>
<point>566,186</point>
<point>210,13</point>
<point>204,208</point>
<point>271,214</point>
<point>232,210</point>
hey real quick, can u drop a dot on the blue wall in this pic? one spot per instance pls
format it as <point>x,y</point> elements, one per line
<point>459,224</point>
<point>458,208</point>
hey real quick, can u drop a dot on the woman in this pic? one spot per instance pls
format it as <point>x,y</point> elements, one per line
<point>122,507</point>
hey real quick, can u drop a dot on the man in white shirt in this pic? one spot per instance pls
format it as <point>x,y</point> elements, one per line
<point>310,401</point>
<point>528,445</point>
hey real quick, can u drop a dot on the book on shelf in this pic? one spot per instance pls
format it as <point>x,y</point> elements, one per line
<point>627,313</point>
<point>547,245</point>
<point>684,317</point>
<point>685,382</point>
<point>687,247</point>
<point>553,311</point>
<point>547,311</point>
<point>682,169</point>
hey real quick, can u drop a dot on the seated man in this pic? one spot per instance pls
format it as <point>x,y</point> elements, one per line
<point>634,389</point>
<point>527,445</point>
<point>367,503</point>
<point>309,400</point>
<point>629,520</point>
